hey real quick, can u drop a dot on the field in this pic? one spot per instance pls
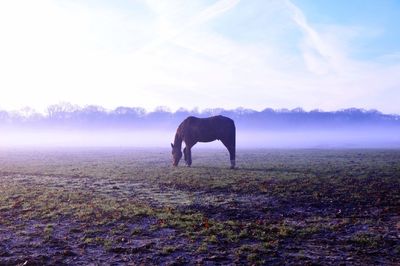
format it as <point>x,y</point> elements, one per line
<point>130,206</point>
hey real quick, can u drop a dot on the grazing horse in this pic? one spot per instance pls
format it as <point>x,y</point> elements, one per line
<point>194,129</point>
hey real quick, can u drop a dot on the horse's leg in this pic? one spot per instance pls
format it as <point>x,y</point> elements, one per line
<point>188,152</point>
<point>189,155</point>
<point>184,154</point>
<point>232,155</point>
<point>230,145</point>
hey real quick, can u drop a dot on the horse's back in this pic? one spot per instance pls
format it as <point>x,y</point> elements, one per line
<point>218,121</point>
<point>207,129</point>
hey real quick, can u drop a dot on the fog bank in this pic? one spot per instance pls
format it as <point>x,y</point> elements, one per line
<point>94,126</point>
<point>365,138</point>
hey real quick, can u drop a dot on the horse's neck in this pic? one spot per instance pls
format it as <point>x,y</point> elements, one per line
<point>178,141</point>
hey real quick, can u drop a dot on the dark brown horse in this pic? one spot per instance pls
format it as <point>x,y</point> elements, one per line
<point>193,130</point>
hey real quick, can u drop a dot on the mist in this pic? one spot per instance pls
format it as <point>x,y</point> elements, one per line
<point>84,138</point>
<point>94,126</point>
<point>161,139</point>
<point>321,139</point>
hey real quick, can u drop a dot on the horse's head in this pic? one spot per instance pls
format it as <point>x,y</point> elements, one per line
<point>176,155</point>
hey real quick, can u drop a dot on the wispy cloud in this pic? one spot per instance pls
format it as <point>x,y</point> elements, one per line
<point>173,19</point>
<point>320,56</point>
<point>174,53</point>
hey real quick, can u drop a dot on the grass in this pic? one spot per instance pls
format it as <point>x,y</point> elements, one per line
<point>130,206</point>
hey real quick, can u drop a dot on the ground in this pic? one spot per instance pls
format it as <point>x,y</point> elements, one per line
<point>130,206</point>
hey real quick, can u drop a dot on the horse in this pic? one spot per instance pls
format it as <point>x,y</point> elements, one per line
<point>194,129</point>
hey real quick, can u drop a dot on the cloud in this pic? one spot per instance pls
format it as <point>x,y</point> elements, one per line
<point>174,19</point>
<point>319,55</point>
<point>336,75</point>
<point>177,54</point>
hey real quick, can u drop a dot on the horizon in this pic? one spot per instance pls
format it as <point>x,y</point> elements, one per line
<point>203,53</point>
<point>69,107</point>
<point>133,127</point>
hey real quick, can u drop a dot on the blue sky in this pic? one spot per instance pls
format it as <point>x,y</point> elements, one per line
<point>379,17</point>
<point>223,53</point>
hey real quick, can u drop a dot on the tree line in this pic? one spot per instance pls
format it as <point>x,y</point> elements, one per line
<point>72,116</point>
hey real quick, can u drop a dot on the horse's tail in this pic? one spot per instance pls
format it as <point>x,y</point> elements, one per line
<point>232,145</point>
<point>234,139</point>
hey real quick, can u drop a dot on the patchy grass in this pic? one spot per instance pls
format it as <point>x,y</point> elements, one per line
<point>116,206</point>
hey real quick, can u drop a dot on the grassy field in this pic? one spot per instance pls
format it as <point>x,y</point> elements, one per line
<point>121,206</point>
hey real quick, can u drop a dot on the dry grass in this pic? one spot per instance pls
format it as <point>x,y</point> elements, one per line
<point>125,205</point>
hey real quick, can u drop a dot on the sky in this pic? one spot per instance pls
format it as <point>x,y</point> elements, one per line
<point>255,54</point>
